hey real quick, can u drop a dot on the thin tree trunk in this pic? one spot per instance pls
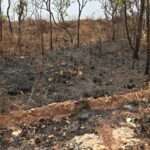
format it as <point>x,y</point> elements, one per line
<point>147,69</point>
<point>135,47</point>
<point>139,31</point>
<point>51,32</point>
<point>42,43</point>
<point>64,27</point>
<point>1,22</point>
<point>19,33</point>
<point>8,16</point>
<point>113,29</point>
<point>126,26</point>
<point>78,31</point>
<point>51,27</point>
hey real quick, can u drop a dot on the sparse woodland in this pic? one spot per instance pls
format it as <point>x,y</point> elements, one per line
<point>28,30</point>
<point>72,83</point>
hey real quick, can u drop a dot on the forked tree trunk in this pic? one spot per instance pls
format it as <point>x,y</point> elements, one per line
<point>135,47</point>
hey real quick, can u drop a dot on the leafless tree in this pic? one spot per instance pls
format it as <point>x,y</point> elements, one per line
<point>111,8</point>
<point>21,12</point>
<point>8,16</point>
<point>38,7</point>
<point>81,5</point>
<point>49,9</point>
<point>138,25</point>
<point>61,6</point>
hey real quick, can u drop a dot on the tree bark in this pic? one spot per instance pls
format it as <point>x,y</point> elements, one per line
<point>147,69</point>
<point>1,22</point>
<point>42,43</point>
<point>139,31</point>
<point>19,26</point>
<point>126,26</point>
<point>78,31</point>
<point>51,27</point>
<point>113,29</point>
<point>8,16</point>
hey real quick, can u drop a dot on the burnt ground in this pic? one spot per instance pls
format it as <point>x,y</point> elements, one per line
<point>119,129</point>
<point>75,74</point>
<point>69,74</point>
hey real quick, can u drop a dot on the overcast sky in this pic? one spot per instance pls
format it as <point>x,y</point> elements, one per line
<point>92,10</point>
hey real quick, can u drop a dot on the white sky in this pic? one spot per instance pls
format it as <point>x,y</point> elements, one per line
<point>92,10</point>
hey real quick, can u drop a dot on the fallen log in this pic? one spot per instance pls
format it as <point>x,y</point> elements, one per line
<point>64,109</point>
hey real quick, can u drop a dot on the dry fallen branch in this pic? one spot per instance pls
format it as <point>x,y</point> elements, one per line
<point>67,108</point>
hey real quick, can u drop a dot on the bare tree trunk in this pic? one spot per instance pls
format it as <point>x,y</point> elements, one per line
<point>51,27</point>
<point>8,16</point>
<point>135,47</point>
<point>126,26</point>
<point>78,30</point>
<point>19,33</point>
<point>147,69</point>
<point>42,41</point>
<point>139,31</point>
<point>1,22</point>
<point>51,33</point>
<point>81,5</point>
<point>113,29</point>
<point>64,27</point>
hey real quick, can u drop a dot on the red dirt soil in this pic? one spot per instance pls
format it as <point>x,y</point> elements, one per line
<point>64,109</point>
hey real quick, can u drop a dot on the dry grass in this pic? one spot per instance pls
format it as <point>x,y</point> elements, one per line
<point>91,32</point>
